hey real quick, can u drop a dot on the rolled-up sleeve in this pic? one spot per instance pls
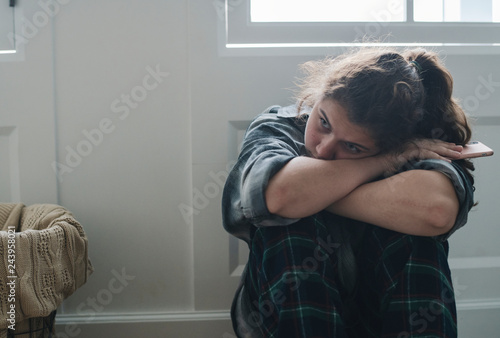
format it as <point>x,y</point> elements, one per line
<point>270,142</point>
<point>254,180</point>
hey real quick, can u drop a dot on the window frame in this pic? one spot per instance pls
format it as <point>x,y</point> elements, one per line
<point>242,37</point>
<point>17,53</point>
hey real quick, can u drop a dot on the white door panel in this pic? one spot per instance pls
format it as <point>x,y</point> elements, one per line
<point>27,122</point>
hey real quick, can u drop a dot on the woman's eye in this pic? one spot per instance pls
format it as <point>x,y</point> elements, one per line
<point>323,122</point>
<point>352,148</point>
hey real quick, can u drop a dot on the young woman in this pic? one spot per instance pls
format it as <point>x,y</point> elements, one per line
<point>346,201</point>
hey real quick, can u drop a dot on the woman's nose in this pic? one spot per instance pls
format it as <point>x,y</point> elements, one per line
<point>326,149</point>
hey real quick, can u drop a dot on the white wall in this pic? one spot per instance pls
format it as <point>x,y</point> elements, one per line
<point>162,151</point>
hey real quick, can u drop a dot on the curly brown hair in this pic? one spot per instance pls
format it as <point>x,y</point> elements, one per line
<point>397,96</point>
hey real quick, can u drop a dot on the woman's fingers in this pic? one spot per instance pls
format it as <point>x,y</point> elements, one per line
<point>425,149</point>
<point>438,149</point>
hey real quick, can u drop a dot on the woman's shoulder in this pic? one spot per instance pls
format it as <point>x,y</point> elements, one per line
<point>276,120</point>
<point>290,111</point>
<point>293,111</point>
<point>288,115</point>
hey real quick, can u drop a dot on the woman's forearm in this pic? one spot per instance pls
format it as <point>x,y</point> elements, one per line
<point>305,186</point>
<point>415,202</point>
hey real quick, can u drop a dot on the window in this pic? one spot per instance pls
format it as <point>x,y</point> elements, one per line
<point>324,10</point>
<point>6,27</point>
<point>465,25</point>
<point>456,11</point>
<point>11,49</point>
<point>375,10</point>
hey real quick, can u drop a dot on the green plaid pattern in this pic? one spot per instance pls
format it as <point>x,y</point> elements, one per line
<point>402,288</point>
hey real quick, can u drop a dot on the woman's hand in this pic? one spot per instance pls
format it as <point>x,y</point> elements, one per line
<point>421,149</point>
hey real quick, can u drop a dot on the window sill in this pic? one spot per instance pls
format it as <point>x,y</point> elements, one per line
<point>299,49</point>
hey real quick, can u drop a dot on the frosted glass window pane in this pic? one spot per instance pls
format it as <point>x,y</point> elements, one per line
<point>495,10</point>
<point>328,10</point>
<point>428,10</point>
<point>452,10</point>
<point>456,10</point>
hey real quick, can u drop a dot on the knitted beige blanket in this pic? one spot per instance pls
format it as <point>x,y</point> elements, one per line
<point>44,251</point>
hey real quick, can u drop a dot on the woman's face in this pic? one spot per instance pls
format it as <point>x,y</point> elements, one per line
<point>330,135</point>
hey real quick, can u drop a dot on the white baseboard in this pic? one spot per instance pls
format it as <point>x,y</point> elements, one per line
<point>116,318</point>
<point>474,319</point>
<point>482,262</point>
<point>199,324</point>
<point>110,318</point>
<point>483,304</point>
